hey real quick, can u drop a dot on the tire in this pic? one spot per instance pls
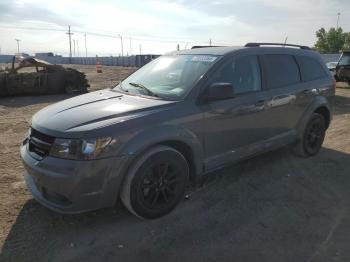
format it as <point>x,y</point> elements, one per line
<point>155,183</point>
<point>312,138</point>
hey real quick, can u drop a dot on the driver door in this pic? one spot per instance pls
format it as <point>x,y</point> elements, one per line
<point>236,127</point>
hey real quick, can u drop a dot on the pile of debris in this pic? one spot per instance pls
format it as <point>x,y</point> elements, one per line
<point>46,79</point>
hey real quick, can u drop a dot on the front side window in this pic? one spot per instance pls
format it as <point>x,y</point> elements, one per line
<point>281,70</point>
<point>344,59</point>
<point>243,73</point>
<point>168,77</point>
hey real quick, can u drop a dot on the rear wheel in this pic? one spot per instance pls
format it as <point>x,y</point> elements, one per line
<point>313,137</point>
<point>155,183</point>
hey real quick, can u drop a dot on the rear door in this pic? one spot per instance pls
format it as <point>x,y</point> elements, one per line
<point>314,78</point>
<point>283,80</point>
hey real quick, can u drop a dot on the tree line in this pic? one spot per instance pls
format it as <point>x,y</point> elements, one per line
<point>332,41</point>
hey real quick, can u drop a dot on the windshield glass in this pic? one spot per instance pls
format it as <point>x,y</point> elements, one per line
<point>168,77</point>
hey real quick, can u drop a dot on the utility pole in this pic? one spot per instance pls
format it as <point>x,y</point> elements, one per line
<point>78,47</point>
<point>178,47</point>
<point>121,42</point>
<point>69,33</point>
<point>130,45</point>
<point>18,40</point>
<point>140,48</point>
<point>285,41</point>
<point>338,20</point>
<point>73,47</point>
<point>85,45</point>
<point>209,42</point>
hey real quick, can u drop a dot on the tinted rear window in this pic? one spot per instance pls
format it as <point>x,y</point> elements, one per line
<point>281,70</point>
<point>310,68</point>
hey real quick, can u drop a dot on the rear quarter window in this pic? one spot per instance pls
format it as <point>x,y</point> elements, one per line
<point>310,68</point>
<point>280,70</point>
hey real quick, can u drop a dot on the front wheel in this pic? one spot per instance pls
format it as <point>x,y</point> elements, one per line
<point>312,139</point>
<point>156,182</point>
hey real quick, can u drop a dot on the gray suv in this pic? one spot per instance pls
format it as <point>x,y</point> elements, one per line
<point>177,118</point>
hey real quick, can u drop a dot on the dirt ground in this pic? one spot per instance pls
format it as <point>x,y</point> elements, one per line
<point>273,208</point>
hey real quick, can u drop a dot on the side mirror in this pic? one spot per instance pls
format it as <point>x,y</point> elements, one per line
<point>219,91</point>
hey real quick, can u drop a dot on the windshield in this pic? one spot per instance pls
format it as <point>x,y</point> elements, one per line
<point>168,77</point>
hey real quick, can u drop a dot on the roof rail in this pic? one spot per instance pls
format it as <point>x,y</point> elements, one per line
<point>203,46</point>
<point>276,44</point>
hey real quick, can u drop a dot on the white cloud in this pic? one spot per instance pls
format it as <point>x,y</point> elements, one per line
<point>224,21</point>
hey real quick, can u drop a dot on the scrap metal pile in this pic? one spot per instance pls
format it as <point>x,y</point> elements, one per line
<point>46,79</point>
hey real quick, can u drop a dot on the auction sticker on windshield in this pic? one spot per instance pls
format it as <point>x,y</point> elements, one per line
<point>203,58</point>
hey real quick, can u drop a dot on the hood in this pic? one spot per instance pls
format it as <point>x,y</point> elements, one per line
<point>93,110</point>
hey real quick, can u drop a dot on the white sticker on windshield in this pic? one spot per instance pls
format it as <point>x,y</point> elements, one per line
<point>203,58</point>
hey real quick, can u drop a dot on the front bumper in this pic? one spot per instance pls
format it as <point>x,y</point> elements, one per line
<point>70,186</point>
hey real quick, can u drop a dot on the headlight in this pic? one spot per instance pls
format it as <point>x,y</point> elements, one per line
<point>94,148</point>
<point>86,149</point>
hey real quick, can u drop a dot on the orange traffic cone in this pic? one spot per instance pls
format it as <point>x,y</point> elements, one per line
<point>98,67</point>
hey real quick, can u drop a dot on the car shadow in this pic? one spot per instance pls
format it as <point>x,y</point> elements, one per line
<point>21,101</point>
<point>275,207</point>
<point>341,104</point>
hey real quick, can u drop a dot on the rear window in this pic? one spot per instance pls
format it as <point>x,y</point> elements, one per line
<point>310,68</point>
<point>281,70</point>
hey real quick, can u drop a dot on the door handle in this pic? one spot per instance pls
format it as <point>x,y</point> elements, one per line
<point>260,104</point>
<point>311,91</point>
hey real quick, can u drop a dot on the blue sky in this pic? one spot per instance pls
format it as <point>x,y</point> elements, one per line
<point>158,26</point>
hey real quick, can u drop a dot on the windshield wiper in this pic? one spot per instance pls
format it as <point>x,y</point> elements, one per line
<point>144,88</point>
<point>119,86</point>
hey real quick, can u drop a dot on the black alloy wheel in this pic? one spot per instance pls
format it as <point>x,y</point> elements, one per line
<point>160,185</point>
<point>314,135</point>
<point>156,183</point>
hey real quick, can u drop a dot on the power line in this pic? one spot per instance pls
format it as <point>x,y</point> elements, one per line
<point>32,28</point>
<point>117,35</point>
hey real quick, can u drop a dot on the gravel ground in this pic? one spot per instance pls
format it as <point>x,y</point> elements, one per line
<point>273,208</point>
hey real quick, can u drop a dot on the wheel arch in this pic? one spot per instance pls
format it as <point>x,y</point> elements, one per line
<point>324,111</point>
<point>187,152</point>
<point>179,138</point>
<point>319,105</point>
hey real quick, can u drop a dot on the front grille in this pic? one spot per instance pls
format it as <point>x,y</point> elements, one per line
<point>39,143</point>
